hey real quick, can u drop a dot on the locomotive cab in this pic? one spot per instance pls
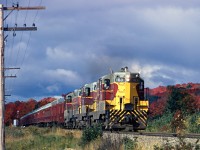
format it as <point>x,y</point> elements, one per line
<point>123,94</point>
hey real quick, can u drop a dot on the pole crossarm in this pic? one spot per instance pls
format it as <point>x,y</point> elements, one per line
<point>10,76</point>
<point>10,68</point>
<point>24,8</point>
<point>20,29</point>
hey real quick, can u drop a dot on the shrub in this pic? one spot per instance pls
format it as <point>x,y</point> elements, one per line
<point>177,123</point>
<point>160,124</point>
<point>90,134</point>
<point>194,123</point>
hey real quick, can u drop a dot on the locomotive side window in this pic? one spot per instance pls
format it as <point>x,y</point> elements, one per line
<point>117,79</point>
<point>141,85</point>
<point>100,83</point>
<point>106,83</point>
<point>87,91</point>
<point>95,87</point>
<point>80,92</point>
<point>69,99</point>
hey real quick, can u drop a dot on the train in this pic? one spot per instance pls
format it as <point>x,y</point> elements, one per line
<point>117,101</point>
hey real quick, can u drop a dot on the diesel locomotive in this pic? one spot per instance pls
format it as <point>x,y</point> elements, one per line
<point>116,101</point>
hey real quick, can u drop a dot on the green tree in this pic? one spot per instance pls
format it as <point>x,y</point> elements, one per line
<point>180,99</point>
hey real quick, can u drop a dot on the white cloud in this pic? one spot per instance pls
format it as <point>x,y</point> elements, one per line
<point>178,25</point>
<point>163,74</point>
<point>52,88</point>
<point>67,77</point>
<point>58,53</point>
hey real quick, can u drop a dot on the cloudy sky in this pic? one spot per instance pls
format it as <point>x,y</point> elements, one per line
<point>81,40</point>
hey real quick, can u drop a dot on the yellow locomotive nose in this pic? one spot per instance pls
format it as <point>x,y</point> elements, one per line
<point>131,94</point>
<point>134,97</point>
<point>126,96</point>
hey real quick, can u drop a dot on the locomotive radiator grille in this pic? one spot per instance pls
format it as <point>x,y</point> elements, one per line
<point>117,116</point>
<point>113,114</point>
<point>141,116</point>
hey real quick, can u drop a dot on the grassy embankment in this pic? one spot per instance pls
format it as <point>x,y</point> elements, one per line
<point>34,138</point>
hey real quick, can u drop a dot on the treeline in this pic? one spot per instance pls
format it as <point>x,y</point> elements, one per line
<point>176,109</point>
<point>174,99</point>
<point>15,110</point>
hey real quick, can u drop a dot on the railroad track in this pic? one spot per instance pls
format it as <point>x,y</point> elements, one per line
<point>190,135</point>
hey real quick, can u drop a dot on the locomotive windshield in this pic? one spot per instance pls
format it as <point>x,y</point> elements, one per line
<point>119,79</point>
<point>127,77</point>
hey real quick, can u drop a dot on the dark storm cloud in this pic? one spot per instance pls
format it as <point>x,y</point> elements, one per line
<point>79,41</point>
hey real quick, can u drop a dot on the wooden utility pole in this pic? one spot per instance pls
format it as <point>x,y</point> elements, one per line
<point>2,68</point>
<point>2,131</point>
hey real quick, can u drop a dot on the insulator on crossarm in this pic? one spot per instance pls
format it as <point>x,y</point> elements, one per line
<point>14,34</point>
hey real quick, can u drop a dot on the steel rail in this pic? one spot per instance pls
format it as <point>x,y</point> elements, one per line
<point>159,134</point>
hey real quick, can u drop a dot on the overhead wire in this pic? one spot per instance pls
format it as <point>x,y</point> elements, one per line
<point>20,41</point>
<point>19,49</point>
<point>9,50</point>
<point>28,42</point>
<point>10,58</point>
<point>10,61</point>
<point>12,83</point>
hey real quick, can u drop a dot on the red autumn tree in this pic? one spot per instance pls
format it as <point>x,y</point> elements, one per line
<point>158,107</point>
<point>15,110</point>
<point>10,112</point>
<point>45,101</point>
<point>31,104</point>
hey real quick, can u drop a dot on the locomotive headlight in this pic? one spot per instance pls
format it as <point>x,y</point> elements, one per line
<point>128,78</point>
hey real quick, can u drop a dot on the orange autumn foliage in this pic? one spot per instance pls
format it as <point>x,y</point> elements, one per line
<point>17,109</point>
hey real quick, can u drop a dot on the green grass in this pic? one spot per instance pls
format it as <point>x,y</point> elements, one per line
<point>193,123</point>
<point>34,138</point>
<point>160,124</point>
<point>163,123</point>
